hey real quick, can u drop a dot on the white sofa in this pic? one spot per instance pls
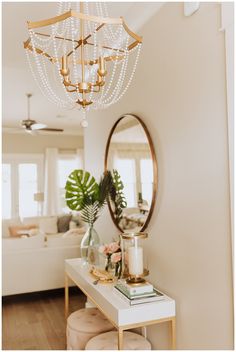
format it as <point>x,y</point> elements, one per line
<point>36,263</point>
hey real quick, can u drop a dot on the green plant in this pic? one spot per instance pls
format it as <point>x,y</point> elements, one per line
<point>117,196</point>
<point>84,194</point>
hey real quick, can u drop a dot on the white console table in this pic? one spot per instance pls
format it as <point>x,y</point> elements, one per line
<point>118,311</point>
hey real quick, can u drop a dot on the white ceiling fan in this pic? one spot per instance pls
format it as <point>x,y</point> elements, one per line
<point>31,126</point>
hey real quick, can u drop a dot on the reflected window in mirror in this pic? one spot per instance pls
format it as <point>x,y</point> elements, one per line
<point>130,152</point>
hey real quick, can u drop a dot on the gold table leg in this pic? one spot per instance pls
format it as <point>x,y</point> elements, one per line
<point>66,296</point>
<point>120,339</point>
<point>173,333</point>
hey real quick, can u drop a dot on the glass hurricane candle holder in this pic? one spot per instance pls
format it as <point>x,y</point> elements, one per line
<point>134,260</point>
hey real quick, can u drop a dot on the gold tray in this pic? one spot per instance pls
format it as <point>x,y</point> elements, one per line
<point>101,276</point>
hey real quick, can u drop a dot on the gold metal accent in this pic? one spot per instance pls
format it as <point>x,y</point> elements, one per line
<point>132,235</point>
<point>80,16</point>
<point>101,71</point>
<point>155,173</point>
<point>66,296</point>
<point>173,333</point>
<point>66,60</point>
<point>120,339</point>
<point>135,281</point>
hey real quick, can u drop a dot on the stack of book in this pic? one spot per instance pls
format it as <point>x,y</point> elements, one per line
<point>143,293</point>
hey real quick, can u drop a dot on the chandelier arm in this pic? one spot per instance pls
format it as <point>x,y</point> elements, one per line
<point>85,39</point>
<point>62,38</point>
<point>132,34</point>
<point>71,90</point>
<point>71,52</point>
<point>68,14</point>
<point>106,47</point>
<point>39,51</point>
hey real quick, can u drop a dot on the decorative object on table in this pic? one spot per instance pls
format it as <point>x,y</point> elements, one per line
<point>93,56</point>
<point>142,288</point>
<point>84,194</point>
<point>134,261</point>
<point>101,276</point>
<point>139,297</point>
<point>112,252</point>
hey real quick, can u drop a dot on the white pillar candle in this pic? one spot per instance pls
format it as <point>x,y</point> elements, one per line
<point>135,260</point>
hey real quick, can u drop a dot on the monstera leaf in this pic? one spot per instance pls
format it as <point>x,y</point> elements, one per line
<point>81,189</point>
<point>84,194</point>
<point>117,196</point>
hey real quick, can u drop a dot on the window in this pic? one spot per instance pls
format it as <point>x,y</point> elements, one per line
<point>28,186</point>
<point>66,164</point>
<point>21,179</point>
<point>127,173</point>
<point>146,179</point>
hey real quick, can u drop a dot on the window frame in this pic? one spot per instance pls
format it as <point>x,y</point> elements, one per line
<point>14,160</point>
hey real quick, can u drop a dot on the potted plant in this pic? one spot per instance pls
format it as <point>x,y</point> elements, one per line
<point>85,195</point>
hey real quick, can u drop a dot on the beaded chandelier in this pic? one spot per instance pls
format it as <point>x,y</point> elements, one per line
<point>80,59</point>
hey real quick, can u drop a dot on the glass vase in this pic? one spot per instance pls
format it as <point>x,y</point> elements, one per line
<point>89,247</point>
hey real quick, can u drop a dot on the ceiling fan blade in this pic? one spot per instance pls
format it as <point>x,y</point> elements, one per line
<point>38,126</point>
<point>52,129</point>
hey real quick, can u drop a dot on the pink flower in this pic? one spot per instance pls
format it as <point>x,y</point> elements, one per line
<point>116,257</point>
<point>109,248</point>
<point>113,247</point>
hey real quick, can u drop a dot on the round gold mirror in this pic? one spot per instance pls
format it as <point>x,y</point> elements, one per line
<point>130,151</point>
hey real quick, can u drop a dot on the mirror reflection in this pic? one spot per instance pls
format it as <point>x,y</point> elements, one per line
<point>130,153</point>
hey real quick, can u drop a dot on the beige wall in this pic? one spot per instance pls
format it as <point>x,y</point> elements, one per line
<point>24,143</point>
<point>179,91</point>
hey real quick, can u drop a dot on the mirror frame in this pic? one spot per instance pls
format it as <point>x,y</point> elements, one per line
<point>155,173</point>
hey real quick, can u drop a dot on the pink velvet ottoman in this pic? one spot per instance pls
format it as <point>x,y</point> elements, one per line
<point>109,341</point>
<point>84,324</point>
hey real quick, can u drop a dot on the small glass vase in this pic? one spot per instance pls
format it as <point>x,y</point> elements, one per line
<point>113,268</point>
<point>89,247</point>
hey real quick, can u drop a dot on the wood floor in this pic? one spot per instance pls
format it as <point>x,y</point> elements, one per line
<point>36,321</point>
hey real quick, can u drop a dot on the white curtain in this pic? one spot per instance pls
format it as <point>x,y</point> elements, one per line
<point>51,187</point>
<point>80,158</point>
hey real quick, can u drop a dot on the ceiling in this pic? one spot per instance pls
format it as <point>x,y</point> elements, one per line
<point>17,79</point>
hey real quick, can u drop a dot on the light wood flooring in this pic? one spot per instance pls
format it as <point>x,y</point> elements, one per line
<point>36,321</point>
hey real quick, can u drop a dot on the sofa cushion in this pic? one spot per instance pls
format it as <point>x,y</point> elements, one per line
<point>33,220</point>
<point>63,222</point>
<point>58,240</point>
<point>6,223</point>
<point>21,243</point>
<point>74,232</point>
<point>75,222</point>
<point>48,225</point>
<point>17,231</point>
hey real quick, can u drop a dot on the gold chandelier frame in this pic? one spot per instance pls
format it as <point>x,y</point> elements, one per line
<point>83,87</point>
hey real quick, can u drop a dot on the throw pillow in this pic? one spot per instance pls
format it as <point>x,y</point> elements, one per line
<point>63,222</point>
<point>6,223</point>
<point>76,231</point>
<point>48,225</point>
<point>18,231</point>
<point>75,222</point>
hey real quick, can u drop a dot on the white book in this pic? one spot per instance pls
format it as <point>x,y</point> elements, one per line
<point>145,287</point>
<point>134,301</point>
